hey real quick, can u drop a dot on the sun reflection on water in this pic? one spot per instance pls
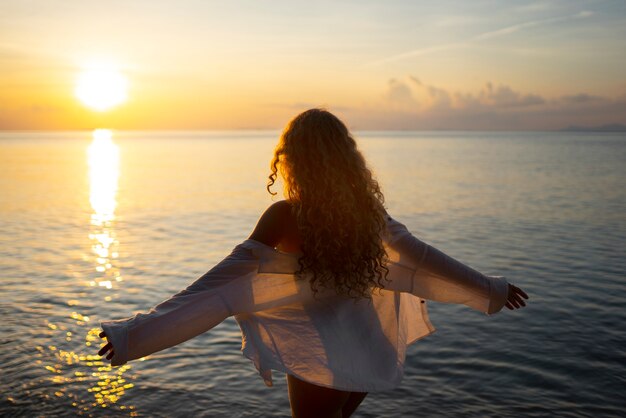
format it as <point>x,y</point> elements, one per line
<point>103,158</point>
<point>104,171</point>
<point>74,373</point>
<point>67,364</point>
<point>105,384</point>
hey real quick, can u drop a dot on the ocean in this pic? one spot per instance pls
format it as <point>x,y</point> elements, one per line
<point>101,225</point>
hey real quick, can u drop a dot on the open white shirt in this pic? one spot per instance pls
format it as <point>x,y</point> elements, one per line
<point>324,339</point>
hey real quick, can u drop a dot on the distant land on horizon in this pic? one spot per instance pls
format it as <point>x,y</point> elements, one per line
<point>612,127</point>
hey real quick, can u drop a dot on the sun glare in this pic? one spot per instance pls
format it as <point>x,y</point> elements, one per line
<point>101,87</point>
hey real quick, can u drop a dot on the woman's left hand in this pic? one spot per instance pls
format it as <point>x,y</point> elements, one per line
<point>514,297</point>
<point>107,348</point>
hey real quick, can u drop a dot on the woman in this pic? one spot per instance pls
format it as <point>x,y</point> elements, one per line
<point>334,223</point>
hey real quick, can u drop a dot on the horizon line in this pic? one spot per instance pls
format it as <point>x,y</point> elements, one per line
<point>278,130</point>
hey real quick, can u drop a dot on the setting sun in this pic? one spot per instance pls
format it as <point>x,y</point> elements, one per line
<point>101,87</point>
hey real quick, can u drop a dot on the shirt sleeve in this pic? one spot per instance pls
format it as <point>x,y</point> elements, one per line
<point>250,279</point>
<point>439,277</point>
<point>193,311</point>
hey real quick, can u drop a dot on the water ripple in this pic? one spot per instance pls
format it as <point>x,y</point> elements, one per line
<point>547,214</point>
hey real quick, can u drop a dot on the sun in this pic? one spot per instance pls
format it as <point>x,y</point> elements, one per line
<point>101,87</point>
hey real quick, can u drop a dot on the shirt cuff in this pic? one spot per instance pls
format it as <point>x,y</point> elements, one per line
<point>498,293</point>
<point>117,334</point>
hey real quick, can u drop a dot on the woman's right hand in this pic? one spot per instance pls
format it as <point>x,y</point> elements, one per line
<point>514,299</point>
<point>107,349</point>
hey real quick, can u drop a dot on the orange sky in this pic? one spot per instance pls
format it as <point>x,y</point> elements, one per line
<point>397,65</point>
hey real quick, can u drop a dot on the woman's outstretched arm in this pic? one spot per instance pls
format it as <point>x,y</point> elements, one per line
<point>201,306</point>
<point>252,278</point>
<point>442,278</point>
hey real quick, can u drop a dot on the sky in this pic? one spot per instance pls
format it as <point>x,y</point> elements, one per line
<point>385,65</point>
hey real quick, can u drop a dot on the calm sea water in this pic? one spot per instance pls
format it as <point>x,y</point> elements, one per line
<point>95,228</point>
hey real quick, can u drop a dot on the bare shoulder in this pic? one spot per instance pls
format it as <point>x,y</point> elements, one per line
<point>281,205</point>
<point>272,224</point>
<point>277,210</point>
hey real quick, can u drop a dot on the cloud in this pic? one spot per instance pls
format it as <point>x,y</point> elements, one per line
<point>517,27</point>
<point>415,95</point>
<point>505,96</point>
<point>399,94</point>
<point>480,37</point>
<point>410,103</point>
<point>416,53</point>
<point>582,98</point>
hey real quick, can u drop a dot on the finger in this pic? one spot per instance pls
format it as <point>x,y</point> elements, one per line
<point>110,355</point>
<point>519,300</point>
<point>102,334</point>
<point>105,348</point>
<point>521,292</point>
<point>513,302</point>
<point>508,305</point>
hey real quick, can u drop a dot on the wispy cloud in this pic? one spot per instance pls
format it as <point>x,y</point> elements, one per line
<point>480,37</point>
<point>515,28</point>
<point>417,53</point>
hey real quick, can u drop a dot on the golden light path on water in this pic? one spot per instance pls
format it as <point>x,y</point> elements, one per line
<point>104,171</point>
<point>105,385</point>
<point>103,159</point>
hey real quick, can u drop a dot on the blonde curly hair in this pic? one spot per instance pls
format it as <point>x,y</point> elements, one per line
<point>337,203</point>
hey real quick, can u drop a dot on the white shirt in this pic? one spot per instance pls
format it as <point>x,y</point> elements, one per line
<point>325,339</point>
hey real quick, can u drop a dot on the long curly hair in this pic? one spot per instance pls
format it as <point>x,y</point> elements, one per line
<point>337,203</point>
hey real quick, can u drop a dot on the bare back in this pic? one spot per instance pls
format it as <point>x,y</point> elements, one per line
<point>278,228</point>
